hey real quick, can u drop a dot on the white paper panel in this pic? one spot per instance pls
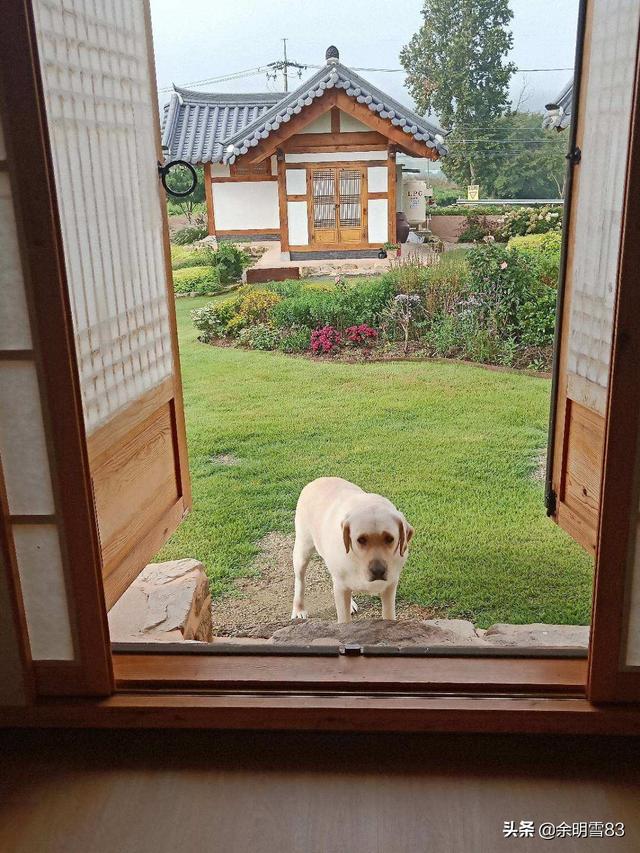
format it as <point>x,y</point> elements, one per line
<point>241,205</point>
<point>14,319</point>
<point>22,441</point>
<point>296,180</point>
<point>377,179</point>
<point>607,113</point>
<point>43,591</point>
<point>102,122</point>
<point>298,224</point>
<point>378,222</point>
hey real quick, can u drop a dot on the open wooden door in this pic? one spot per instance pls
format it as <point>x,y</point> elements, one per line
<point>98,78</point>
<point>603,106</point>
<point>594,482</point>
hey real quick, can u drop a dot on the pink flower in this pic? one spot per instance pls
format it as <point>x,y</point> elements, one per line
<point>504,265</point>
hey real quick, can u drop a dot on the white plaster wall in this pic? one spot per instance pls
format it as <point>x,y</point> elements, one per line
<point>349,124</point>
<point>333,156</point>
<point>378,222</point>
<point>320,125</point>
<point>377,179</point>
<point>296,181</point>
<point>298,226</point>
<point>245,205</point>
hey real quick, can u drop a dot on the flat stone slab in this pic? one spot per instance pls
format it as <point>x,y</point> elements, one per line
<point>537,634</point>
<point>167,602</point>
<point>406,632</point>
<point>430,632</point>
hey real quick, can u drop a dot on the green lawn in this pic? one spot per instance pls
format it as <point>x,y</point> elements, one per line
<point>452,445</point>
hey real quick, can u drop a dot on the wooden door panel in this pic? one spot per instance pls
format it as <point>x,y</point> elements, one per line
<point>105,146</point>
<point>593,215</point>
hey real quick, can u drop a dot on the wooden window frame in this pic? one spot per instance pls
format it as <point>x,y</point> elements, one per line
<point>516,692</point>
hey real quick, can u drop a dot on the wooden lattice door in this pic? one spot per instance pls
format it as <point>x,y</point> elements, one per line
<point>96,63</point>
<point>337,209</point>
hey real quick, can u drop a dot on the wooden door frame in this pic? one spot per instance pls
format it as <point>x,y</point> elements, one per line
<point>609,679</point>
<point>42,255</point>
<point>337,167</point>
<point>553,700</point>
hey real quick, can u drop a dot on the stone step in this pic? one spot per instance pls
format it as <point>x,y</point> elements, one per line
<point>167,602</point>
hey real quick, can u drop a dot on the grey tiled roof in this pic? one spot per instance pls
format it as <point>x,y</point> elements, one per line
<point>196,124</point>
<point>203,127</point>
<point>558,113</point>
<point>335,75</point>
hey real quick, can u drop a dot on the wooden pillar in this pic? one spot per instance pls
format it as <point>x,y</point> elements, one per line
<point>208,194</point>
<point>391,194</point>
<point>282,201</point>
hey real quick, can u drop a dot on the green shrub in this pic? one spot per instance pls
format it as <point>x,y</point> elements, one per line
<point>444,196</point>
<point>477,227</point>
<point>201,280</point>
<point>260,336</point>
<point>543,250</point>
<point>189,234</point>
<point>212,320</point>
<point>256,304</point>
<point>286,289</point>
<point>531,220</point>
<point>295,339</point>
<point>230,261</point>
<point>343,306</point>
<point>509,294</point>
<point>445,286</point>
<point>470,210</point>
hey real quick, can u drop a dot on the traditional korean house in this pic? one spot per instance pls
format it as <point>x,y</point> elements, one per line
<point>314,168</point>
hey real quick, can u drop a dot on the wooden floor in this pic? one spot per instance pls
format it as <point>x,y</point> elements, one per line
<point>161,792</point>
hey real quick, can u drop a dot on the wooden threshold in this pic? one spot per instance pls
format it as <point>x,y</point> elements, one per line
<point>543,676</point>
<point>299,711</point>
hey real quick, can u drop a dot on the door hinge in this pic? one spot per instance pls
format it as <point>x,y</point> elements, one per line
<point>551,502</point>
<point>575,156</point>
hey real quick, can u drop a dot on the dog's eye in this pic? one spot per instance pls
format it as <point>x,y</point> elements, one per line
<point>362,540</point>
<point>388,539</point>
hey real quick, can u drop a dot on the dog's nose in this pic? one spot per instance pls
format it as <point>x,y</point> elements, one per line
<point>377,570</point>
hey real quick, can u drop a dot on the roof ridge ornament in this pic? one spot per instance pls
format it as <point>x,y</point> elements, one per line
<point>332,55</point>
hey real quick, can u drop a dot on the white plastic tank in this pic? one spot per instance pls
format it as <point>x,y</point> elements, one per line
<point>415,201</point>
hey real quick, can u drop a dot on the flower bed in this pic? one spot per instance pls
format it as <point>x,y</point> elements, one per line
<point>494,305</point>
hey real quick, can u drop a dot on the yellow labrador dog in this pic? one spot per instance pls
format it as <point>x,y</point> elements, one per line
<point>361,537</point>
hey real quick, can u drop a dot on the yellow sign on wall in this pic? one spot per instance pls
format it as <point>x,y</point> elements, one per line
<point>473,192</point>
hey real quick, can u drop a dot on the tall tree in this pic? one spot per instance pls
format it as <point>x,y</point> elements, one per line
<point>456,67</point>
<point>528,162</point>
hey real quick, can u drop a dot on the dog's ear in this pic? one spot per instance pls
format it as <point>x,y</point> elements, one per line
<point>405,534</point>
<point>346,534</point>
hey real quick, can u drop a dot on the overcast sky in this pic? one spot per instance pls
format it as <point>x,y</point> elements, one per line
<point>198,39</point>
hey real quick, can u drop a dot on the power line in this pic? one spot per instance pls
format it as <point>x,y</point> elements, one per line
<point>249,72</point>
<point>283,65</point>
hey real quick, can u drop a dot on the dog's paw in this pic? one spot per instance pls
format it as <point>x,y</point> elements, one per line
<point>354,606</point>
<point>298,614</point>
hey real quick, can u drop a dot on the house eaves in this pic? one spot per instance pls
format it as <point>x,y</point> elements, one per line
<point>330,76</point>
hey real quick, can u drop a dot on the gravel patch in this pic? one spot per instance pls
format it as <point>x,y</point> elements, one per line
<point>261,604</point>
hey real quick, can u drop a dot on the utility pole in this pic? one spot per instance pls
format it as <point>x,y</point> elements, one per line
<point>284,65</point>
